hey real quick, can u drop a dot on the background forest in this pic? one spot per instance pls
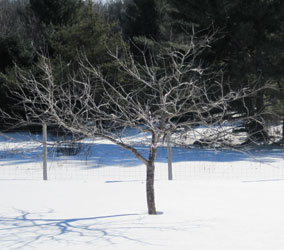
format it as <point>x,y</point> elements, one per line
<point>248,45</point>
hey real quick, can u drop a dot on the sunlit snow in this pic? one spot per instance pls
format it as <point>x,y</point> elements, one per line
<point>219,200</point>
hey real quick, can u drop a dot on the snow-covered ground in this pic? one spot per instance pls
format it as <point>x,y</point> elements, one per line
<point>222,215</point>
<point>96,199</point>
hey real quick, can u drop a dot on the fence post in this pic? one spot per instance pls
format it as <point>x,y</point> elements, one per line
<point>170,167</point>
<point>44,138</point>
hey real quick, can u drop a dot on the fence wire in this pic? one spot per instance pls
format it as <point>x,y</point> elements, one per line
<point>21,159</point>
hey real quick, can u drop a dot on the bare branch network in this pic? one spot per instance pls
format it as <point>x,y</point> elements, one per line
<point>164,89</point>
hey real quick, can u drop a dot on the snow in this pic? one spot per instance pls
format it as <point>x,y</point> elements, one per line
<point>193,215</point>
<point>218,200</point>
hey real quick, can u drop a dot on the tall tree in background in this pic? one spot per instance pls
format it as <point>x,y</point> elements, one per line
<point>87,33</point>
<point>140,18</point>
<point>251,47</point>
<point>113,10</point>
<point>15,45</point>
<point>11,17</point>
<point>62,29</point>
<point>48,14</point>
<point>58,12</point>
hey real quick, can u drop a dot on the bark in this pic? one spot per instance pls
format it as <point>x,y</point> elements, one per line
<point>256,129</point>
<point>150,178</point>
<point>283,128</point>
<point>150,188</point>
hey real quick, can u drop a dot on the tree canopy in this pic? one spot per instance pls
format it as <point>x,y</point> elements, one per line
<point>248,47</point>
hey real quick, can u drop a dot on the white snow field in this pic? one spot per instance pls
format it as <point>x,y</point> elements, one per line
<point>96,200</point>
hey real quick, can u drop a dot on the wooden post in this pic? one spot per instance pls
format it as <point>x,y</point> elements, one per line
<point>44,138</point>
<point>170,167</point>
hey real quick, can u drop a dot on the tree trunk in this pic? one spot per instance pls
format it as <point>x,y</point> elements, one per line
<point>150,188</point>
<point>255,128</point>
<point>283,128</point>
<point>151,175</point>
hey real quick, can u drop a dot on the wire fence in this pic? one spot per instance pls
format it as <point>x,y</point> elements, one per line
<point>21,159</point>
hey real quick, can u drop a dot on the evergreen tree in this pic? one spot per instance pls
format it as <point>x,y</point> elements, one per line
<point>251,48</point>
<point>140,18</point>
<point>15,46</point>
<point>88,33</point>
<point>58,12</point>
<point>113,10</point>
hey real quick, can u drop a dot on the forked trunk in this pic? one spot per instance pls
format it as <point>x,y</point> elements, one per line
<point>150,188</point>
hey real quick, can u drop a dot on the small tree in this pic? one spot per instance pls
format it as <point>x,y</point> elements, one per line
<point>166,90</point>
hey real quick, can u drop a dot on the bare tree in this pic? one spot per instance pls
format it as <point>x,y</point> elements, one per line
<point>165,89</point>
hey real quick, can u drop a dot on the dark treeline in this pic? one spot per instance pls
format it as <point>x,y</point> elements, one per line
<point>248,46</point>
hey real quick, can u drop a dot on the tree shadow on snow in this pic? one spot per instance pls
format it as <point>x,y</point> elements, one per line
<point>32,230</point>
<point>29,229</point>
<point>104,155</point>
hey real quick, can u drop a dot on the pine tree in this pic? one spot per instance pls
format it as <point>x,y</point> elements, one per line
<point>250,46</point>
<point>88,33</point>
<point>58,12</point>
<point>140,18</point>
<point>15,46</point>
